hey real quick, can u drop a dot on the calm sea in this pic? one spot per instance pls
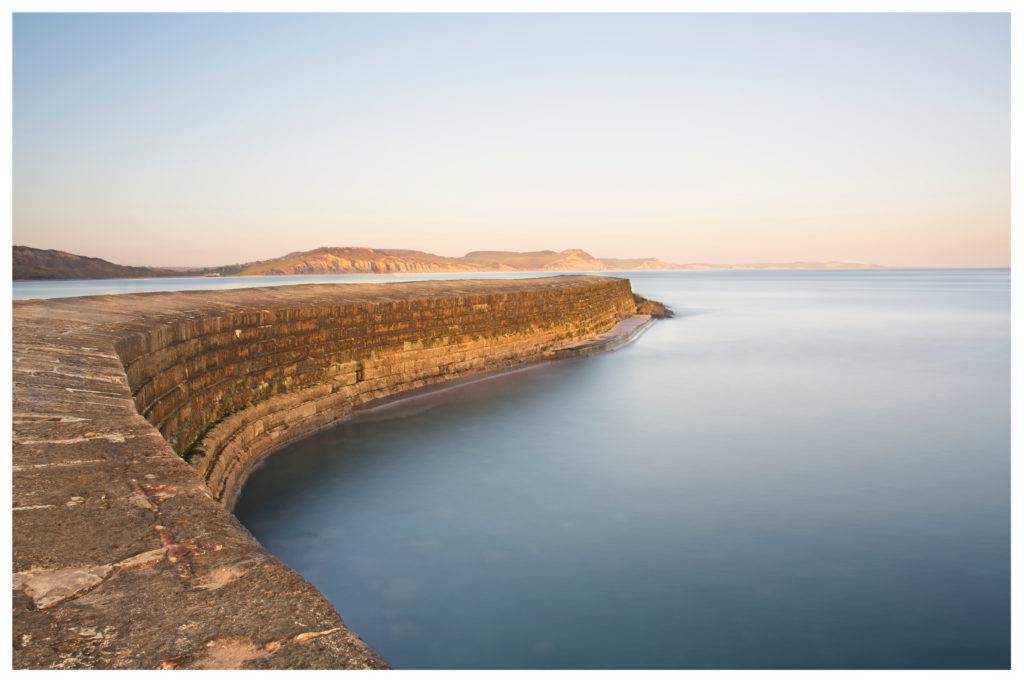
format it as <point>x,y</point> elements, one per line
<point>801,470</point>
<point>64,288</point>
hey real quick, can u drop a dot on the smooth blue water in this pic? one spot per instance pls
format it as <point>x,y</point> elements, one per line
<point>802,470</point>
<point>53,289</point>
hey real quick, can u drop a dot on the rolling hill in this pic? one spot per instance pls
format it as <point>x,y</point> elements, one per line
<point>49,264</point>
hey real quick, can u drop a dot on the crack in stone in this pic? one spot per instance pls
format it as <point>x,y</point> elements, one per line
<point>30,418</point>
<point>177,553</point>
<point>108,379</point>
<point>93,391</point>
<point>315,634</point>
<point>68,463</point>
<point>112,438</point>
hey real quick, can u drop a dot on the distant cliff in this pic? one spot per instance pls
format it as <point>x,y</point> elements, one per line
<point>329,260</point>
<point>570,259</point>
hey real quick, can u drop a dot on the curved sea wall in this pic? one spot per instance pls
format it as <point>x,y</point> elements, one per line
<point>125,556</point>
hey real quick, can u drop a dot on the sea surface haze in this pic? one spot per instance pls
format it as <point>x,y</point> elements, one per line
<point>800,470</point>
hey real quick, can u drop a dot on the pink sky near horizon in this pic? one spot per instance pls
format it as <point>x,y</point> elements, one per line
<point>203,140</point>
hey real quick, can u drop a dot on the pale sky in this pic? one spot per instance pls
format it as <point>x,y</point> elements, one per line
<point>198,139</point>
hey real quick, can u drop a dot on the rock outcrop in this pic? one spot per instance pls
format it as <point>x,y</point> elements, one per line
<point>655,309</point>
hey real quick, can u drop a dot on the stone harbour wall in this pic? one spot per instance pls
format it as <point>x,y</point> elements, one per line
<point>126,556</point>
<point>226,390</point>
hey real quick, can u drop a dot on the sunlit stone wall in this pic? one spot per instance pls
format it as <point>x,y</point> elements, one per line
<point>224,390</point>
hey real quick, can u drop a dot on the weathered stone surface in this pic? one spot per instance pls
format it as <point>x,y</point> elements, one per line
<point>125,556</point>
<point>49,588</point>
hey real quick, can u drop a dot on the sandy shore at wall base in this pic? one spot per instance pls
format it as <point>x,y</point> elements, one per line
<point>624,332</point>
